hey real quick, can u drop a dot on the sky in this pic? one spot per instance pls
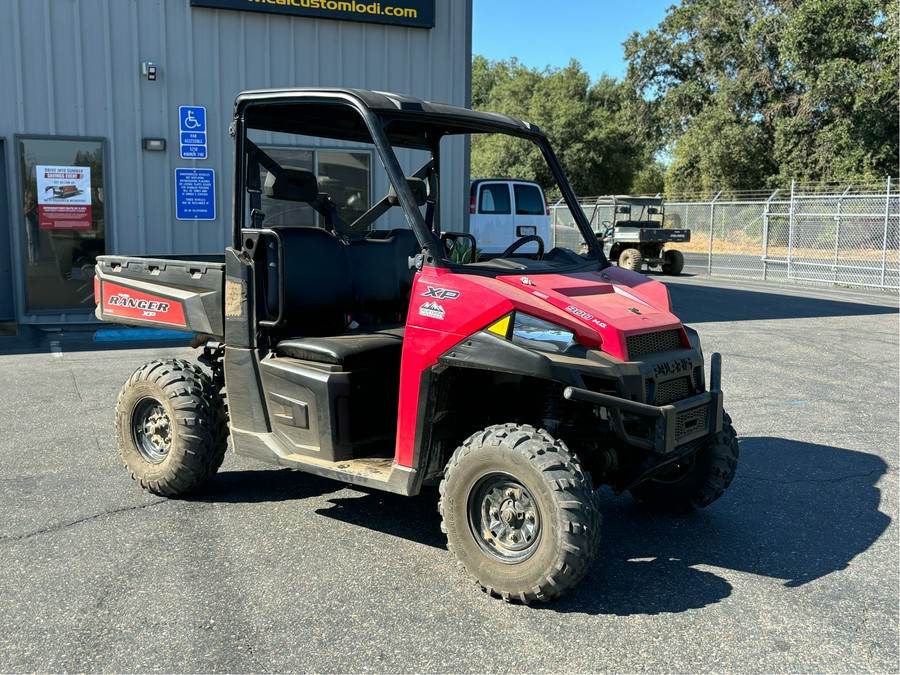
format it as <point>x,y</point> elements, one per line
<point>551,32</point>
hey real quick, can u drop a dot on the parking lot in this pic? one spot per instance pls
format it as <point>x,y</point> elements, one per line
<point>794,569</point>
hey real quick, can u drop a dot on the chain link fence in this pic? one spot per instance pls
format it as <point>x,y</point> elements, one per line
<point>812,233</point>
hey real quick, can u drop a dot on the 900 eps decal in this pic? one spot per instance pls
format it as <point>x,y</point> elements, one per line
<point>587,316</point>
<point>121,301</point>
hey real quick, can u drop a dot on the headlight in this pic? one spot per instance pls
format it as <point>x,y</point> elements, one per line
<point>529,331</point>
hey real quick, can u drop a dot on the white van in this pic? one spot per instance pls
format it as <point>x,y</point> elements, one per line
<point>502,211</point>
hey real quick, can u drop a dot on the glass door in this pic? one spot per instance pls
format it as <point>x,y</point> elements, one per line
<point>6,277</point>
<point>63,222</point>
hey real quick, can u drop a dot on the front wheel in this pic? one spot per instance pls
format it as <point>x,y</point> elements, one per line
<point>519,513</point>
<point>697,480</point>
<point>631,259</point>
<point>171,427</point>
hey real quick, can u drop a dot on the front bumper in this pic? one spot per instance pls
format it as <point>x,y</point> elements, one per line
<point>675,424</point>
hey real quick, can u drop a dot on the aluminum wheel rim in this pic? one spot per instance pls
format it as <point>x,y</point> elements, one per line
<point>504,518</point>
<point>151,430</point>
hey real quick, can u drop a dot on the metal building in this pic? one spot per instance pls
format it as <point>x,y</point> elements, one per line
<point>114,126</point>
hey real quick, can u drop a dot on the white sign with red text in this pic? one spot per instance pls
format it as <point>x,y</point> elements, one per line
<point>64,197</point>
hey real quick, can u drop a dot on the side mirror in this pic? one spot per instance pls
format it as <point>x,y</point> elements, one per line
<point>459,247</point>
<point>419,190</point>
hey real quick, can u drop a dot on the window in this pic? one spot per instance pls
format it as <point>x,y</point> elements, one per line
<point>529,201</point>
<point>494,198</point>
<point>343,175</point>
<point>63,220</point>
<point>280,212</point>
<point>346,177</point>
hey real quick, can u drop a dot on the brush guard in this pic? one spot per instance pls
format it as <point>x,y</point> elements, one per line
<point>675,424</point>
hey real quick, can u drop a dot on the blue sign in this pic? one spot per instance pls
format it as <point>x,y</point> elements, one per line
<point>192,125</point>
<point>192,117</point>
<point>193,151</point>
<point>195,194</point>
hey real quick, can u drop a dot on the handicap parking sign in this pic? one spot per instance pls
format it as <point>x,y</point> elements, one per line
<point>193,118</point>
<point>192,128</point>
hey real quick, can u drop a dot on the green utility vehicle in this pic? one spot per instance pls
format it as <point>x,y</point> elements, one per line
<point>636,235</point>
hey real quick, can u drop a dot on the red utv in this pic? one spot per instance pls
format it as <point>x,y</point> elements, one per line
<point>370,352</point>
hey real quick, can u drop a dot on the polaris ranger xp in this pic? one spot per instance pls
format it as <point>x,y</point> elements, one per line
<point>341,337</point>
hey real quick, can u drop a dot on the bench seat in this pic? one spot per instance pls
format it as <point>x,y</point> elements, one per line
<point>359,348</point>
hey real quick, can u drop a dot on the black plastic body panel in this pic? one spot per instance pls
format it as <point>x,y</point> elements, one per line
<point>307,420</point>
<point>237,307</point>
<point>383,474</point>
<point>322,411</point>
<point>487,351</point>
<point>243,385</point>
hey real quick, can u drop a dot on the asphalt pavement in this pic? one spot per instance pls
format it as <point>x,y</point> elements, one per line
<point>795,569</point>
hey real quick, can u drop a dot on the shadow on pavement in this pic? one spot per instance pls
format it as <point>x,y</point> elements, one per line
<point>412,518</point>
<point>263,485</point>
<point>698,304</point>
<point>795,512</point>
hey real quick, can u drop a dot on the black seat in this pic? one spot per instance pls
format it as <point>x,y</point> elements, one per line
<point>383,275</point>
<point>322,296</point>
<point>330,282</point>
<point>355,349</point>
<point>318,285</point>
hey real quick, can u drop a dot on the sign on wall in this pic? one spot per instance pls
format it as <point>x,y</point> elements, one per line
<point>195,194</point>
<point>411,13</point>
<point>192,131</point>
<point>64,197</point>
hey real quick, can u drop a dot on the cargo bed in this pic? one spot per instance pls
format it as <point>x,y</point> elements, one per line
<point>624,233</point>
<point>174,292</point>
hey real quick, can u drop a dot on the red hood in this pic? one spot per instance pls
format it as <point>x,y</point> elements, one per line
<point>603,308</point>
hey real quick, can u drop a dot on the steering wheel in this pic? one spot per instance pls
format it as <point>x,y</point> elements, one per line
<point>518,243</point>
<point>608,228</point>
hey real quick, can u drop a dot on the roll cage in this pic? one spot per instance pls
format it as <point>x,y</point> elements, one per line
<point>389,121</point>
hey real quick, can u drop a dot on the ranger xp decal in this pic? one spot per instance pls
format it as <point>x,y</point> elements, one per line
<point>121,301</point>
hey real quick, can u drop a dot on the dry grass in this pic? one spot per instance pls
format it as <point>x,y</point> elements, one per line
<point>739,245</point>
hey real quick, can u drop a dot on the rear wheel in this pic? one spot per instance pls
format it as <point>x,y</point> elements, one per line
<point>696,481</point>
<point>519,513</point>
<point>170,427</point>
<point>631,259</point>
<point>673,262</point>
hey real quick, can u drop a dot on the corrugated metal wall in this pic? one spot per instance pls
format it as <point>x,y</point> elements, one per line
<point>72,67</point>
